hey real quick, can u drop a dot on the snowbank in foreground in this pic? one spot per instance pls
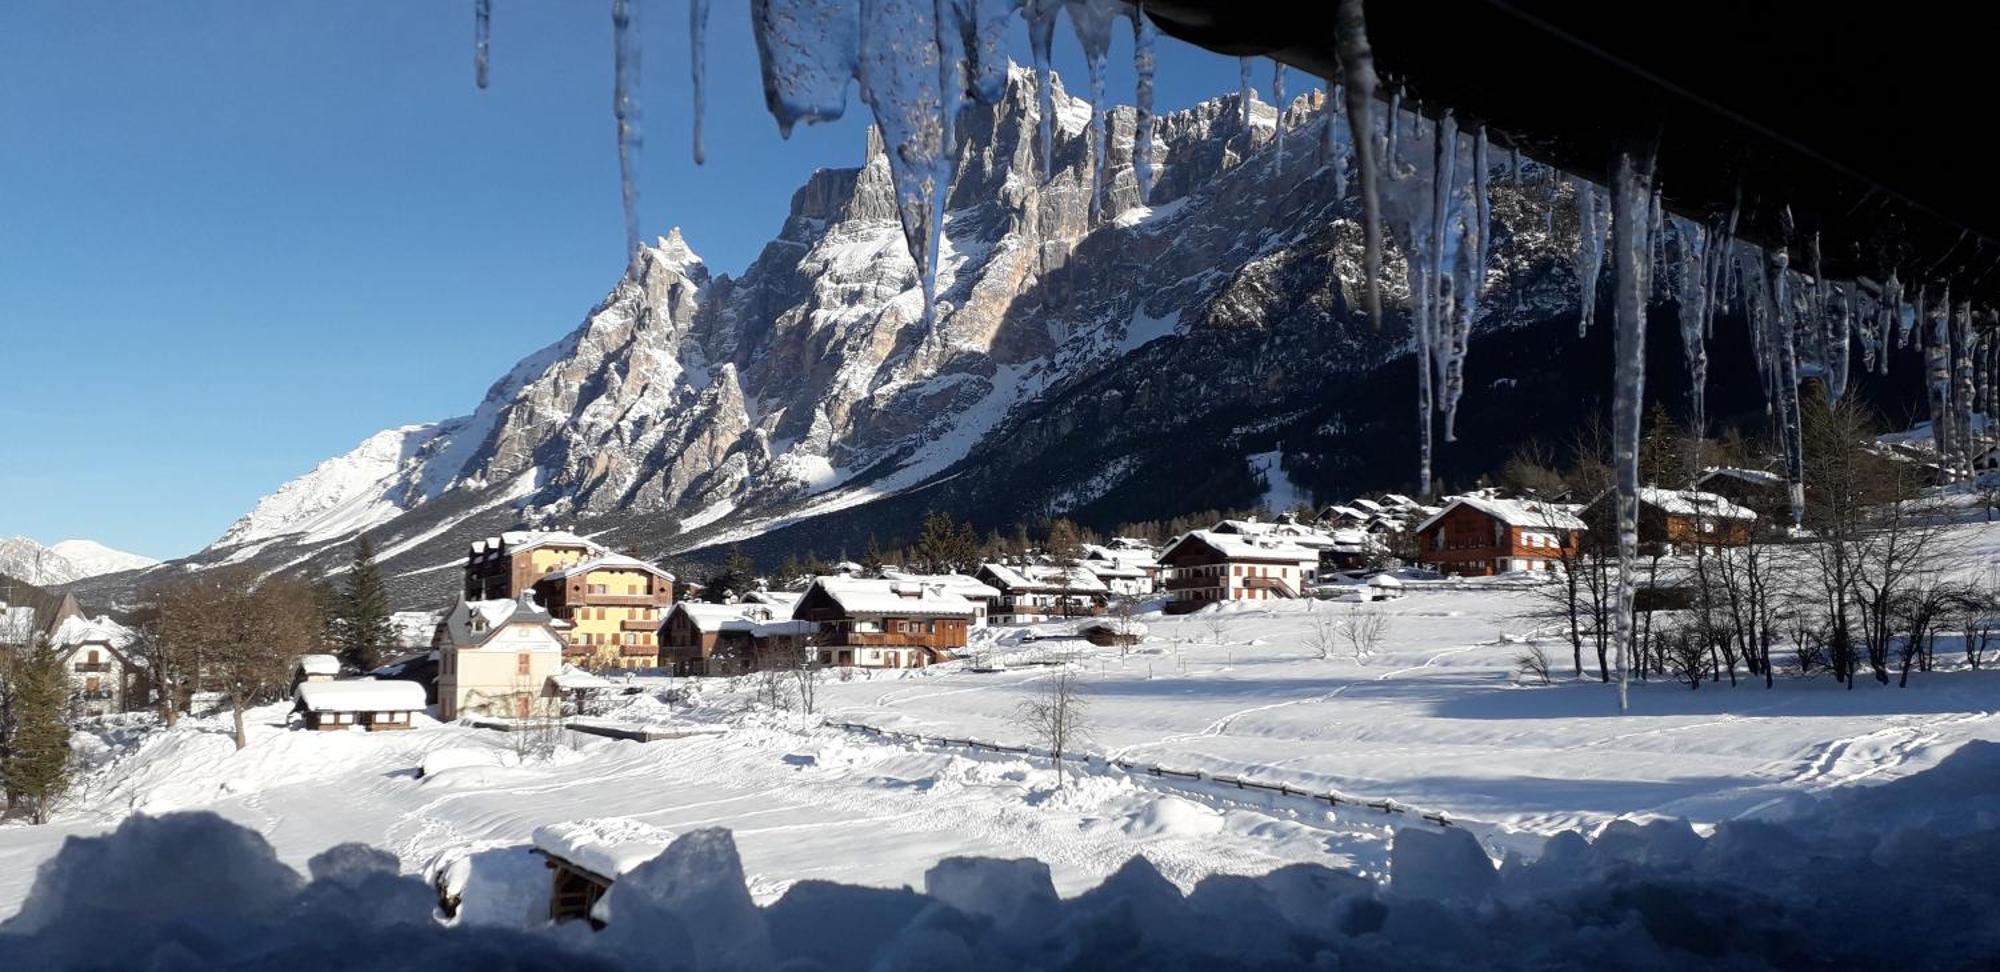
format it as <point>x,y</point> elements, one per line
<point>1894,876</point>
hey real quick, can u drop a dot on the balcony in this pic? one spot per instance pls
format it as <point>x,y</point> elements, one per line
<point>622,600</point>
<point>895,639</point>
<point>1270,583</point>
<point>1186,583</point>
<point>639,624</point>
<point>92,666</point>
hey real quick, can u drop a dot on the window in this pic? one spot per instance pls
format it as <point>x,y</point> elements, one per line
<point>522,661</point>
<point>631,588</point>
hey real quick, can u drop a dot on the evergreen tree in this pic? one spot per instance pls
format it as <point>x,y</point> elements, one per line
<point>364,631</point>
<point>735,578</point>
<point>871,562</point>
<point>946,546</point>
<point>36,770</point>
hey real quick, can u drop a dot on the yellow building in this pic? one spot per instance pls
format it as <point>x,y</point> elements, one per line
<point>614,605</point>
<point>495,658</point>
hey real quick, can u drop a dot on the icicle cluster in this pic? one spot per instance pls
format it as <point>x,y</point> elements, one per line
<point>1357,75</point>
<point>698,65</point>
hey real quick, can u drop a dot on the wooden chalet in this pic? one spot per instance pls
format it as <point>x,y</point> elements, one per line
<point>1765,493</point>
<point>1677,518</point>
<point>1476,536</point>
<point>1202,567</point>
<point>728,639</point>
<point>1037,592</point>
<point>883,623</point>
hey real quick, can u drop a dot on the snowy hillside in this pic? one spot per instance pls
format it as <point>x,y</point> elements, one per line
<point>64,562</point>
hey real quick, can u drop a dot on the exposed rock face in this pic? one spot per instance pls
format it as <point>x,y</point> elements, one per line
<point>1116,369</point>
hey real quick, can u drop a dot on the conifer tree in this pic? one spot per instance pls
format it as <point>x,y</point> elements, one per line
<point>36,770</point>
<point>364,628</point>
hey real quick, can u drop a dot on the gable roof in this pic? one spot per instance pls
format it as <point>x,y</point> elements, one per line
<point>1754,477</point>
<point>868,596</point>
<point>1239,547</point>
<point>492,617</point>
<point>609,561</point>
<point>1044,578</point>
<point>78,630</point>
<point>1686,502</point>
<point>515,541</point>
<point>959,584</point>
<point>1513,512</point>
<point>361,695</point>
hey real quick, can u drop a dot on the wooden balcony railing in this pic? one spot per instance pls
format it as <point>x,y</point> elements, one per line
<point>638,624</point>
<point>899,639</point>
<point>93,666</point>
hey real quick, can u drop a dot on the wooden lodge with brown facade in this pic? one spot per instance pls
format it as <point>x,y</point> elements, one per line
<point>1671,519</point>
<point>1474,536</point>
<point>867,623</point>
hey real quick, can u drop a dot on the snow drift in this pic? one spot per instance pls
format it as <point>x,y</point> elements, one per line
<point>1804,889</point>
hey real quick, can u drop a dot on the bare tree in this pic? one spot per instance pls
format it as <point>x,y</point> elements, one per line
<point>803,662</point>
<point>1057,715</point>
<point>1362,631</point>
<point>1533,662</point>
<point>239,633</point>
<point>1322,632</point>
<point>1216,623</point>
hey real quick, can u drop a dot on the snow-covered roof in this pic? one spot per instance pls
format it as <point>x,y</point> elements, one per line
<point>474,622</point>
<point>362,695</point>
<point>1136,629</point>
<point>862,595</point>
<point>1755,477</point>
<point>1398,500</point>
<point>604,846</point>
<point>1694,502</point>
<point>708,618</point>
<point>781,599</point>
<point>1044,577</point>
<point>99,630</point>
<point>959,584</point>
<point>1369,506</point>
<point>1139,557</point>
<point>1239,547</point>
<point>319,665</point>
<point>1513,512</point>
<point>1343,510</point>
<point>573,679</point>
<point>515,541</point>
<point>610,561</point>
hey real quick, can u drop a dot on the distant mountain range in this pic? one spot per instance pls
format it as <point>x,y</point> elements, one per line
<point>65,562</point>
<point>1138,359</point>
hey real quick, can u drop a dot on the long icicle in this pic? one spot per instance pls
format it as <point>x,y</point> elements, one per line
<point>1482,194</point>
<point>1591,220</point>
<point>698,66</point>
<point>1693,299</point>
<point>482,39</point>
<point>1631,192</point>
<point>1092,23</point>
<point>625,109</point>
<point>1145,37</point>
<point>1041,17</point>
<point>1357,74</point>
<point>1937,353</point>
<point>1244,93</point>
<point>1278,99</point>
<point>1786,379</point>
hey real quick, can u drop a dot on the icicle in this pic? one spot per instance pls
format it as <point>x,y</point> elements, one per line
<point>1591,223</point>
<point>1461,309</point>
<point>1913,318</point>
<point>1514,164</point>
<point>900,73</point>
<point>1484,224</point>
<point>482,39</point>
<point>625,110</point>
<point>697,64</point>
<point>1787,377</point>
<point>1357,69</point>
<point>1041,17</point>
<point>1243,96</point>
<point>1443,175</point>
<point>1332,154</point>
<point>1144,38</point>
<point>1693,299</point>
<point>1962,391</point>
<point>1892,313</point>
<point>1092,23</point>
<point>1631,193</point>
<point>982,27</point>
<point>809,52</point>
<point>1395,114</point>
<point>1840,345</point>
<point>1278,99</point>
<point>1938,368</point>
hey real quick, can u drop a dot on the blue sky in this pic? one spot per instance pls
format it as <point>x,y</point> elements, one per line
<point>239,236</point>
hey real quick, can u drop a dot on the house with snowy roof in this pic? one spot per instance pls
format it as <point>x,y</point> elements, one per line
<point>982,595</point>
<point>585,857</point>
<point>1765,492</point>
<point>1343,515</point>
<point>1478,536</point>
<point>1672,519</point>
<point>879,623</point>
<point>103,676</point>
<point>729,639</point>
<point>505,565</point>
<point>614,605</point>
<point>1030,593</point>
<point>495,657</point>
<point>1127,571</point>
<point>368,704</point>
<point>1203,567</point>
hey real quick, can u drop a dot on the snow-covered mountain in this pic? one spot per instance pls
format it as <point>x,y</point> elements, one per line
<point>61,563</point>
<point>1198,348</point>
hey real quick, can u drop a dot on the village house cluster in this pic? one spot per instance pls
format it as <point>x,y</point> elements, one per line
<point>542,615</point>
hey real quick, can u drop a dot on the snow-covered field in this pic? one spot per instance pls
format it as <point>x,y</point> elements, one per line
<point>1434,720</point>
